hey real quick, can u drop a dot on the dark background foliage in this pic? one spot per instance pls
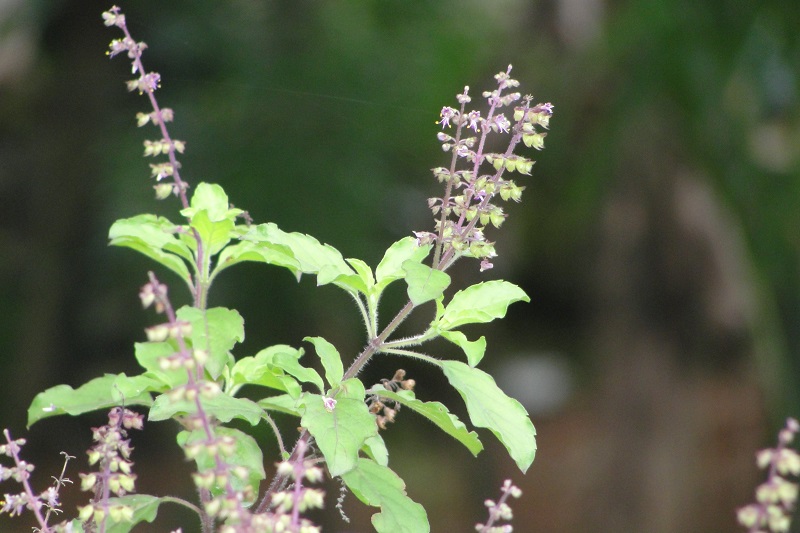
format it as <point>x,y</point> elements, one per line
<point>657,238</point>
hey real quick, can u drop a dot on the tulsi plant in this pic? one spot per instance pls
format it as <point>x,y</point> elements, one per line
<point>192,376</point>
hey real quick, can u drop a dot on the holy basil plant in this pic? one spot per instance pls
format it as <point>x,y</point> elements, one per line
<point>192,371</point>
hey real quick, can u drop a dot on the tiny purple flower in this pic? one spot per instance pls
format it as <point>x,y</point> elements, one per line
<point>330,404</point>
<point>447,114</point>
<point>474,119</point>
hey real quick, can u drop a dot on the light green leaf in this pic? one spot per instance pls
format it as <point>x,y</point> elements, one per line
<point>436,413</point>
<point>211,198</point>
<point>364,273</point>
<point>321,259</point>
<point>132,386</point>
<point>391,266</point>
<point>375,447</point>
<point>149,354</point>
<point>261,370</point>
<point>283,403</point>
<point>490,408</point>
<point>331,360</point>
<point>424,282</point>
<point>473,349</point>
<point>290,364</point>
<point>341,432</point>
<point>156,238</point>
<point>216,331</point>
<point>379,486</point>
<point>222,406</point>
<point>480,303</point>
<point>262,252</point>
<point>98,393</point>
<point>145,509</point>
<point>246,454</point>
<point>215,235</point>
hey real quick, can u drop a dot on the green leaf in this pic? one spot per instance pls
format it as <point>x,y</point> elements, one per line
<point>364,273</point>
<point>473,349</point>
<point>391,266</point>
<point>131,386</point>
<point>156,238</point>
<point>261,252</point>
<point>375,447</point>
<point>424,282</point>
<point>246,453</point>
<point>283,403</point>
<point>211,198</point>
<point>480,303</point>
<point>145,509</point>
<point>98,393</point>
<point>290,364</point>
<point>216,331</point>
<point>215,235</point>
<point>341,432</point>
<point>261,370</point>
<point>379,486</point>
<point>436,413</point>
<point>490,408</point>
<point>331,360</point>
<point>149,354</point>
<point>321,259</point>
<point>222,406</point>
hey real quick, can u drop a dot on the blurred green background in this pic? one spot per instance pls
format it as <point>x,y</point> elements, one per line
<point>658,238</point>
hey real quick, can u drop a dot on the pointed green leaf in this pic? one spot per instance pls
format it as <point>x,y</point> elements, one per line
<point>424,282</point>
<point>222,406</point>
<point>375,447</point>
<point>211,198</point>
<point>490,408</point>
<point>261,252</point>
<point>391,266</point>
<point>364,280</point>
<point>379,486</point>
<point>154,237</point>
<point>215,235</point>
<point>246,454</point>
<point>261,370</point>
<point>283,403</point>
<point>341,432</point>
<point>98,393</point>
<point>473,349</point>
<point>132,386</point>
<point>145,509</point>
<point>436,413</point>
<point>321,259</point>
<point>290,364</point>
<point>216,330</point>
<point>149,355</point>
<point>480,303</point>
<point>331,360</point>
